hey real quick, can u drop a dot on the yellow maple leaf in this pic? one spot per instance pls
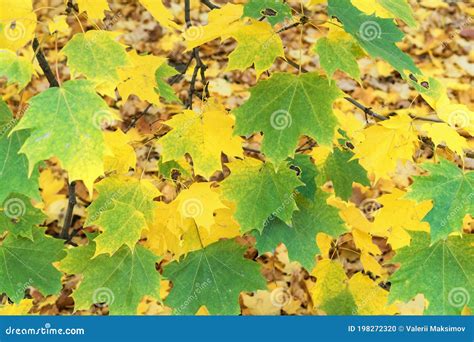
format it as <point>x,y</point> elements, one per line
<point>17,23</point>
<point>385,144</point>
<point>20,309</point>
<point>94,8</point>
<point>199,202</point>
<point>222,22</point>
<point>369,297</point>
<point>120,155</point>
<point>159,11</point>
<point>444,134</point>
<point>59,24</point>
<point>208,135</point>
<point>139,77</point>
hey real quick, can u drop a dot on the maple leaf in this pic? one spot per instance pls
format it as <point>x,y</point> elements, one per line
<point>208,135</point>
<point>15,68</point>
<point>22,308</point>
<point>19,217</point>
<point>451,191</point>
<point>162,74</point>
<point>65,123</point>
<point>222,21</point>
<point>159,11</point>
<point>394,140</point>
<point>275,11</point>
<point>136,78</point>
<point>338,51</point>
<point>387,9</point>
<point>443,134</point>
<point>124,208</point>
<point>258,44</point>
<point>119,281</point>
<point>251,182</point>
<point>343,170</point>
<point>25,262</point>
<point>199,202</point>
<point>215,283</point>
<point>94,8</point>
<point>17,24</point>
<point>120,155</point>
<point>313,217</point>
<point>97,55</point>
<point>335,294</point>
<point>285,107</point>
<point>14,167</point>
<point>443,272</point>
<point>376,35</point>
<point>307,173</point>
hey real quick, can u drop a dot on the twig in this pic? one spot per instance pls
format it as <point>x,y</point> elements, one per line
<point>367,110</point>
<point>53,82</point>
<point>136,118</point>
<point>210,5</point>
<point>70,208</point>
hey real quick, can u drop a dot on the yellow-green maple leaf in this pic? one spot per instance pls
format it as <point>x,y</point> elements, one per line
<point>258,44</point>
<point>65,123</point>
<point>124,208</point>
<point>139,79</point>
<point>15,68</point>
<point>97,55</point>
<point>204,136</point>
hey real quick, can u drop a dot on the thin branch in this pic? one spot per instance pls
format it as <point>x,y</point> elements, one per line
<point>53,82</point>
<point>366,110</point>
<point>70,209</point>
<point>137,117</point>
<point>210,5</point>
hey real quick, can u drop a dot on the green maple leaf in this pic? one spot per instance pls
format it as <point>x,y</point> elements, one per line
<point>119,281</point>
<point>162,74</point>
<point>213,276</point>
<point>97,55</point>
<point>123,209</point>
<point>443,272</point>
<point>339,52</point>
<point>342,170</point>
<point>275,11</point>
<point>15,68</point>
<point>19,217</point>
<point>376,35</point>
<point>451,191</point>
<point>314,216</point>
<point>401,9</point>
<point>252,182</point>
<point>284,108</point>
<point>24,263</point>
<point>14,166</point>
<point>65,123</point>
